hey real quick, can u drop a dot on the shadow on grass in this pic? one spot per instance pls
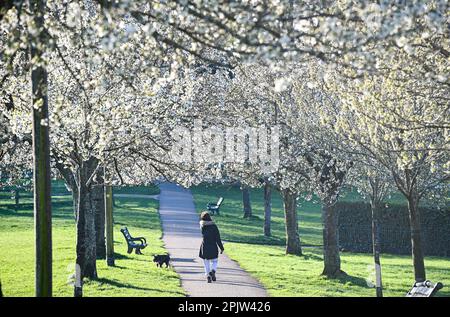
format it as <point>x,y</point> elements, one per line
<point>10,211</point>
<point>134,213</point>
<point>255,240</point>
<point>119,284</point>
<point>134,202</point>
<point>243,231</point>
<point>310,256</point>
<point>134,269</point>
<point>26,210</point>
<point>345,278</point>
<point>141,190</point>
<point>120,256</point>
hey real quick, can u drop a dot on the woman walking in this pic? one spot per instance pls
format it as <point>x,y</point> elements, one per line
<point>211,243</point>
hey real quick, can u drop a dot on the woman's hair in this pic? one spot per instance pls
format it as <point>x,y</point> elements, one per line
<point>205,216</point>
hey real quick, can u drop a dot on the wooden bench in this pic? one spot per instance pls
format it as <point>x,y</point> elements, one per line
<point>131,241</point>
<point>424,289</point>
<point>213,208</point>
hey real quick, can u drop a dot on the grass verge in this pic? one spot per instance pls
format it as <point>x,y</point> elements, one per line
<point>286,275</point>
<point>133,275</point>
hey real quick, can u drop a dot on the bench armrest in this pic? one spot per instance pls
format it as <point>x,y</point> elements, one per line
<point>142,239</point>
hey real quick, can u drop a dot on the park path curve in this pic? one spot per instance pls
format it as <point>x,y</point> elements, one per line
<point>182,238</point>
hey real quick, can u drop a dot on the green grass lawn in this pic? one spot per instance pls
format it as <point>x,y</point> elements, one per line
<point>133,275</point>
<point>137,190</point>
<point>234,228</point>
<point>60,189</point>
<point>290,275</point>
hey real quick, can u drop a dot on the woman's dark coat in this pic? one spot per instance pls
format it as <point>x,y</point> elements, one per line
<point>211,241</point>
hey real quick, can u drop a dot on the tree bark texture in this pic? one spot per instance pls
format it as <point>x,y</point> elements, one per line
<point>86,233</point>
<point>376,247</point>
<point>98,194</point>
<point>416,239</point>
<point>293,245</point>
<point>246,202</point>
<point>267,208</point>
<point>331,257</point>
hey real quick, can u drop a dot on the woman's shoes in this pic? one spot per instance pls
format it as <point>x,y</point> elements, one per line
<point>208,278</point>
<point>213,275</point>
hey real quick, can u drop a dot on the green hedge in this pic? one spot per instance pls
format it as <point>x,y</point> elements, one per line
<point>355,229</point>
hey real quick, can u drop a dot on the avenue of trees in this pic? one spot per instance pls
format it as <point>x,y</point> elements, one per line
<point>90,91</point>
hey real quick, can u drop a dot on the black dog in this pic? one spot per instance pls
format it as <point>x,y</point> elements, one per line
<point>161,259</point>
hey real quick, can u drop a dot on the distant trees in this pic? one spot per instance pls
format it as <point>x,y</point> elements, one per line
<point>263,106</point>
<point>310,159</point>
<point>7,139</point>
<point>13,161</point>
<point>389,122</point>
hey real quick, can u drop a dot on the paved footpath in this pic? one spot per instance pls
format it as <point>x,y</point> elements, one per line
<point>182,239</point>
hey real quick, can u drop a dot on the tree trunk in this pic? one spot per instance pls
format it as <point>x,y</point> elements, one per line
<point>267,208</point>
<point>41,152</point>
<point>70,181</point>
<point>16,198</point>
<point>1,293</point>
<point>246,202</point>
<point>331,257</point>
<point>376,247</point>
<point>109,226</point>
<point>75,196</point>
<point>416,240</point>
<point>98,195</point>
<point>86,234</point>
<point>293,245</point>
